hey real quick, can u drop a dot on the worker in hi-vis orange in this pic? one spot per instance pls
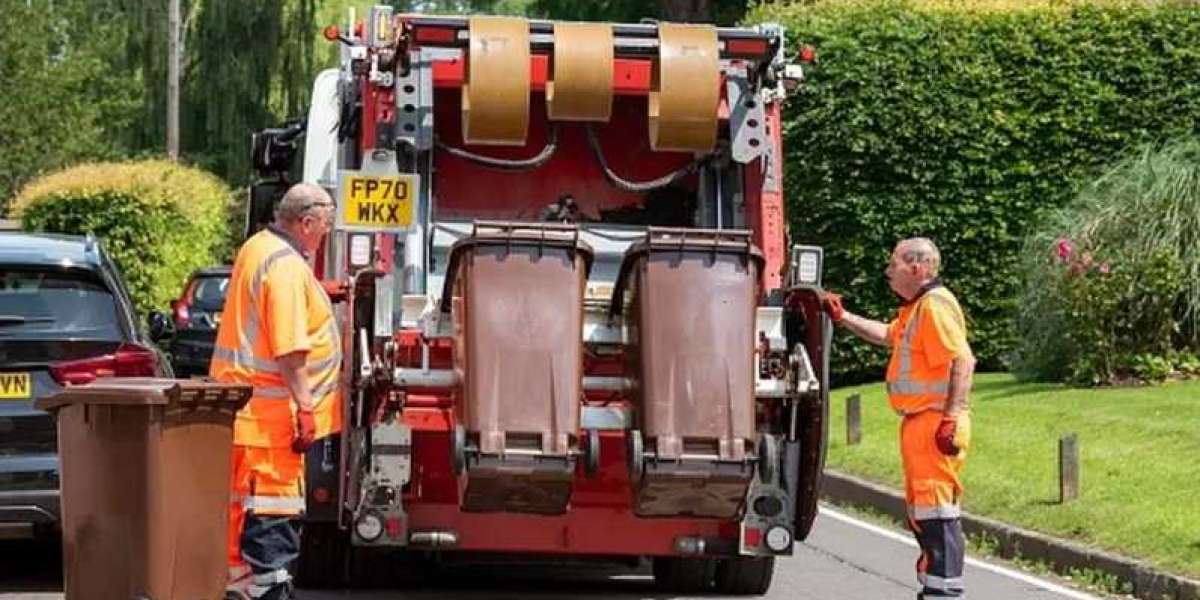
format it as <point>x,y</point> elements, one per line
<point>278,334</point>
<point>928,379</point>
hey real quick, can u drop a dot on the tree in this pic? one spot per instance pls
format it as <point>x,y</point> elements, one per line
<point>721,12</point>
<point>62,94</point>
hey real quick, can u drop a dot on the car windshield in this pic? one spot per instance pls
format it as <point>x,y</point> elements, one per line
<point>56,304</point>
<point>210,291</point>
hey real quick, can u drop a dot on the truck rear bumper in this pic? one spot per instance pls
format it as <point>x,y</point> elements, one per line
<point>598,531</point>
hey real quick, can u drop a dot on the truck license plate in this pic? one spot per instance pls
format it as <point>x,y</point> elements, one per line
<point>377,202</point>
<point>14,386</point>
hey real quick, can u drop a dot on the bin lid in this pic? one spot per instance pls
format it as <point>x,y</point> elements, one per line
<point>667,240</point>
<point>149,391</point>
<point>515,235</point>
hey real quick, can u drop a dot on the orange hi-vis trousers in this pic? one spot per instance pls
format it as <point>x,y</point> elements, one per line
<point>266,482</point>
<point>933,493</point>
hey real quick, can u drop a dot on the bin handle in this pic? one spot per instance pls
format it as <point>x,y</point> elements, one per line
<point>505,231</point>
<point>677,239</point>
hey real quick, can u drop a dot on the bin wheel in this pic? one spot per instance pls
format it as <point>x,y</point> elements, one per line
<point>636,450</point>
<point>459,450</point>
<point>591,465</point>
<point>745,575</point>
<point>685,575</point>
<point>768,457</point>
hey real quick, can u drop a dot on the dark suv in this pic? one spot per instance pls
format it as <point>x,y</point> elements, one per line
<point>197,314</point>
<point>65,318</point>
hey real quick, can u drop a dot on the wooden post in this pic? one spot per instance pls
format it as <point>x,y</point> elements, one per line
<point>1068,468</point>
<point>853,420</point>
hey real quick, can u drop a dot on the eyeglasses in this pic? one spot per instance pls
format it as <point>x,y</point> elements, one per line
<point>327,218</point>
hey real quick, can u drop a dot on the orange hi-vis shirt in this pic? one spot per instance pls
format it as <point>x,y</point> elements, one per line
<point>925,337</point>
<point>275,306</point>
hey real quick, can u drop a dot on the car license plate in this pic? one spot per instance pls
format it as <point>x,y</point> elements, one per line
<point>14,386</point>
<point>377,202</point>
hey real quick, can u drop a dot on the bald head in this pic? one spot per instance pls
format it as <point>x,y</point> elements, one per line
<point>915,263</point>
<point>306,214</point>
<point>302,199</point>
<point>922,251</point>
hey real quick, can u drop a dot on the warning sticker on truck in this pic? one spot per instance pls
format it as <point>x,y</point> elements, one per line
<point>376,202</point>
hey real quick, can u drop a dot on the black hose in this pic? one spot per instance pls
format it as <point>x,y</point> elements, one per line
<point>637,187</point>
<point>504,164</point>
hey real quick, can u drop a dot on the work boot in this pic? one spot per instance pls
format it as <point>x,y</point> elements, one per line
<point>283,591</point>
<point>239,582</point>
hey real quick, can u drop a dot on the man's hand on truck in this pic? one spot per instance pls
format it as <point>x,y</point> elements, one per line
<point>869,330</point>
<point>337,290</point>
<point>831,303</point>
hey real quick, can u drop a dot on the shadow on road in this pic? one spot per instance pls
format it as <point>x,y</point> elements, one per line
<point>30,566</point>
<point>543,580</point>
<point>33,567</point>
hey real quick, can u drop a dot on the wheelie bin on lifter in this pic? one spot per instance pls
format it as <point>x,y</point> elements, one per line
<point>692,299</point>
<point>145,486</point>
<point>516,295</point>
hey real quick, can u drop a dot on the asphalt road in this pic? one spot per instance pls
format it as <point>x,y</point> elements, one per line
<point>843,559</point>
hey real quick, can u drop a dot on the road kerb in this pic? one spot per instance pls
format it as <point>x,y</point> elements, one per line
<point>1012,542</point>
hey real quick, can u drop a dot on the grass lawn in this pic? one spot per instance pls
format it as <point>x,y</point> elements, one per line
<point>1139,453</point>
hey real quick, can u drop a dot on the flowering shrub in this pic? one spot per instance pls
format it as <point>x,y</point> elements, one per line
<point>1112,291</point>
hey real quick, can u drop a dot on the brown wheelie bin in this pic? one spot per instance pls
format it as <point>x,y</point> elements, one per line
<point>145,487</point>
<point>515,293</point>
<point>692,296</point>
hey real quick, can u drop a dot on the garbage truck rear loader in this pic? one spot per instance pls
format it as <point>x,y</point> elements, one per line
<point>575,327</point>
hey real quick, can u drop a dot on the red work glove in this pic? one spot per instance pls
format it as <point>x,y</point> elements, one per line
<point>337,290</point>
<point>306,431</point>
<point>945,436</point>
<point>831,303</point>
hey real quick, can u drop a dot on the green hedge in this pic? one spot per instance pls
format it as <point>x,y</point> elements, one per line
<point>966,127</point>
<point>159,220</point>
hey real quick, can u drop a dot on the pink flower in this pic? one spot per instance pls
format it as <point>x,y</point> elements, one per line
<point>1104,269</point>
<point>1064,249</point>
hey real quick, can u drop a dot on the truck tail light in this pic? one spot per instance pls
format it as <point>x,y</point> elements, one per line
<point>129,360</point>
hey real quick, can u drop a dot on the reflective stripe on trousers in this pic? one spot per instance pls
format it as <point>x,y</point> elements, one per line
<point>274,505</point>
<point>924,513</point>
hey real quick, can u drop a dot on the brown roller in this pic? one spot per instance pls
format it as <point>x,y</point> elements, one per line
<point>581,85</point>
<point>495,99</point>
<point>686,88</point>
